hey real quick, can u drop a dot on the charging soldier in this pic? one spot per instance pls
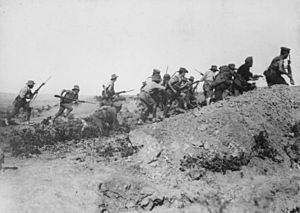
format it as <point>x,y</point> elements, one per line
<point>22,101</point>
<point>70,97</point>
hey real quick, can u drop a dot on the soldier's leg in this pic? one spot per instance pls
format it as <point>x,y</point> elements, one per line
<point>145,106</point>
<point>27,109</point>
<point>69,109</point>
<point>15,111</point>
<point>218,94</point>
<point>60,111</point>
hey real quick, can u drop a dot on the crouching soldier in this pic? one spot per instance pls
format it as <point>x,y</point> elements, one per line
<point>69,96</point>
<point>22,101</point>
<point>148,96</point>
<point>106,119</point>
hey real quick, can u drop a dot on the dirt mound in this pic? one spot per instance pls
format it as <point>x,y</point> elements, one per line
<point>224,154</point>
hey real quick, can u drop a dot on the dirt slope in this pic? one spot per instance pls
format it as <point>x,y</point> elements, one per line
<point>239,155</point>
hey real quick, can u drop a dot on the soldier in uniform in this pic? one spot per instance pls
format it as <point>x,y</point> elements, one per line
<point>109,90</point>
<point>277,68</point>
<point>71,96</point>
<point>208,78</point>
<point>244,75</point>
<point>244,70</point>
<point>166,79</point>
<point>148,97</point>
<point>222,82</point>
<point>22,101</point>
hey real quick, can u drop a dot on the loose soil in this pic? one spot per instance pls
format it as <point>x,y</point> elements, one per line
<point>237,155</point>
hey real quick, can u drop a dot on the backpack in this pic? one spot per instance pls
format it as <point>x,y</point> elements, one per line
<point>220,78</point>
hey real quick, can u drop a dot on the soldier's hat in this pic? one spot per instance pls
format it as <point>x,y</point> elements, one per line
<point>30,82</point>
<point>113,76</point>
<point>249,59</point>
<point>232,66</point>
<point>156,78</point>
<point>285,49</point>
<point>76,87</point>
<point>156,71</point>
<point>191,78</point>
<point>214,68</point>
<point>182,70</point>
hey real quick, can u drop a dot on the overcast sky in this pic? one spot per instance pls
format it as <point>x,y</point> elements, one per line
<point>85,41</point>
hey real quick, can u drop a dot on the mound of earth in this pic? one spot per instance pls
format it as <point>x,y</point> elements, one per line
<point>238,155</point>
<point>228,157</point>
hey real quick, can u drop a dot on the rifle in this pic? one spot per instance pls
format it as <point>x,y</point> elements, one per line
<point>124,91</point>
<point>256,77</point>
<point>290,75</point>
<point>198,71</point>
<point>70,99</point>
<point>38,89</point>
<point>167,69</point>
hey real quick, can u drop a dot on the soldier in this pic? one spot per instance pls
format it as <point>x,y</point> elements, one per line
<point>244,75</point>
<point>22,101</point>
<point>277,69</point>
<point>208,78</point>
<point>173,86</point>
<point>109,90</point>
<point>222,83</point>
<point>166,79</point>
<point>244,70</point>
<point>147,97</point>
<point>189,94</point>
<point>70,96</point>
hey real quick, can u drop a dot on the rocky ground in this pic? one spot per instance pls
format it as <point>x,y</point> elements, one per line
<point>238,155</point>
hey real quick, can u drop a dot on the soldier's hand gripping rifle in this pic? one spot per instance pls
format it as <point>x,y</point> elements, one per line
<point>75,100</point>
<point>124,91</point>
<point>290,75</point>
<point>38,89</point>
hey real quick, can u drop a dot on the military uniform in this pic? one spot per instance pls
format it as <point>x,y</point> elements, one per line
<point>208,78</point>
<point>244,70</point>
<point>243,76</point>
<point>106,118</point>
<point>277,69</point>
<point>175,83</point>
<point>65,103</point>
<point>109,91</point>
<point>222,83</point>
<point>22,101</point>
<point>147,96</point>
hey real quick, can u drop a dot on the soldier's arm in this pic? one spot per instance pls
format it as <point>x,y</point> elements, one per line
<point>171,87</point>
<point>23,92</point>
<point>62,92</point>
<point>281,67</point>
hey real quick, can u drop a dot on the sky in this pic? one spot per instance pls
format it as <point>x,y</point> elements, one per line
<point>84,42</point>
